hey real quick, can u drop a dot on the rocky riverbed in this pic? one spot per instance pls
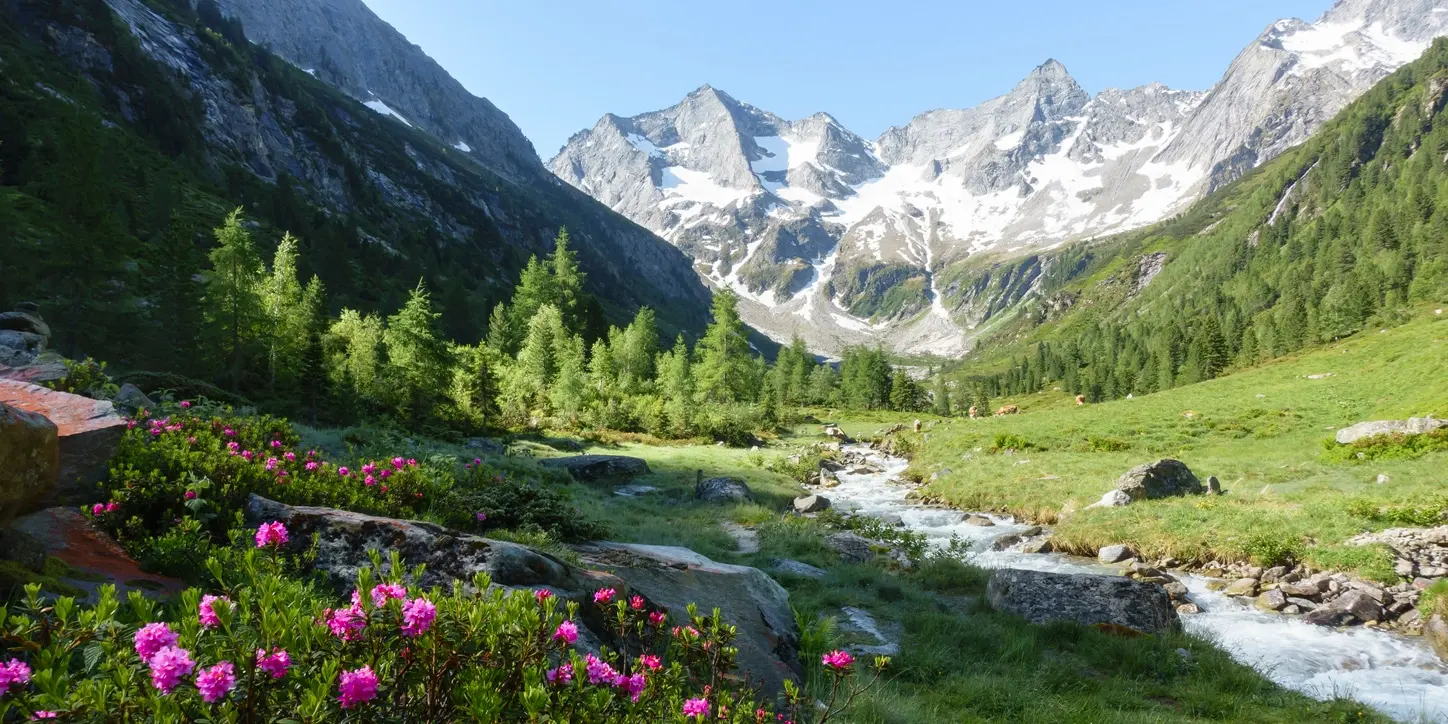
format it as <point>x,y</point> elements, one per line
<point>1370,661</point>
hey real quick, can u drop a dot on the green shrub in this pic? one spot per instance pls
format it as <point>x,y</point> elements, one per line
<point>1011,441</point>
<point>1270,549</point>
<point>1106,444</point>
<point>1393,446</point>
<point>87,377</point>
<point>483,500</point>
<point>1418,515</point>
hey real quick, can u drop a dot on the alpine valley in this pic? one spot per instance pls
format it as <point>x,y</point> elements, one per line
<point>925,238</point>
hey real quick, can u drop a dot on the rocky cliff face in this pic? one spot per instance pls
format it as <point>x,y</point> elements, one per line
<point>845,240</point>
<point>416,155</point>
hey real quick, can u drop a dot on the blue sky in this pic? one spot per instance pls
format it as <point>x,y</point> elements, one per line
<point>556,66</point>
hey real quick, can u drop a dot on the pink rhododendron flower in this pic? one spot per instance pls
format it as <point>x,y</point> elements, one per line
<point>168,666</point>
<point>482,516</point>
<point>561,675</point>
<point>343,471</point>
<point>356,687</point>
<point>191,440</point>
<point>185,404</point>
<point>477,461</point>
<point>43,714</point>
<point>271,534</point>
<point>604,596</point>
<point>191,495</point>
<point>383,592</point>
<point>636,603</point>
<point>246,455</point>
<point>310,466</point>
<point>369,468</point>
<point>13,674</point>
<point>207,611</point>
<point>229,432</point>
<point>346,623</point>
<point>634,685</point>
<point>130,424</point>
<point>98,509</point>
<point>369,481</point>
<point>152,638</point>
<point>214,683</point>
<point>542,595</point>
<point>276,443</point>
<point>112,507</point>
<point>566,632</point>
<point>384,473</point>
<point>651,661</point>
<point>398,463</point>
<point>412,462</point>
<point>657,618</point>
<point>271,463</point>
<point>275,664</point>
<point>837,659</point>
<point>417,617</point>
<point>696,708</point>
<point>290,456</point>
<point>599,672</point>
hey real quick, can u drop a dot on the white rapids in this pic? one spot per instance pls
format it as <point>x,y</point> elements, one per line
<point>1398,675</point>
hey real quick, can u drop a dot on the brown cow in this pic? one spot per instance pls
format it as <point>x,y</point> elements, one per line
<point>1008,410</point>
<point>1080,399</point>
<point>973,412</point>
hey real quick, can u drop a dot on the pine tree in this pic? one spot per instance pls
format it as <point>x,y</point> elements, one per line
<point>637,351</point>
<point>526,389</point>
<point>500,330</point>
<point>569,390</point>
<point>567,283</point>
<point>417,357</point>
<point>676,384</point>
<point>940,397</point>
<point>232,300</point>
<point>177,312</point>
<point>724,369</point>
<point>536,288</point>
<point>289,323</point>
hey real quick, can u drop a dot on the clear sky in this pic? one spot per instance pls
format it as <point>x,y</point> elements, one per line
<point>556,66</point>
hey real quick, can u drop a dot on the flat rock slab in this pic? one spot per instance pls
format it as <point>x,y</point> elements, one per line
<point>90,432</point>
<point>93,557</point>
<point>597,467</point>
<point>29,460</point>
<point>1090,600</point>
<point>1410,426</point>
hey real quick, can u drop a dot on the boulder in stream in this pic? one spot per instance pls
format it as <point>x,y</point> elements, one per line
<point>1353,606</point>
<point>1114,554</point>
<point>811,504</point>
<point>1041,597</point>
<point>1435,629</point>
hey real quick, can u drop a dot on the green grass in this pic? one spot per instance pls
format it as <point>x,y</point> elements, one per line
<point>1260,431</point>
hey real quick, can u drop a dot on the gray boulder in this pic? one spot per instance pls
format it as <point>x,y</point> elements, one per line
<point>1435,629</point>
<point>1353,606</point>
<point>597,467</point>
<point>1161,479</point>
<point>1410,426</point>
<point>1086,599</point>
<point>1112,499</point>
<point>131,399</point>
<point>799,568</point>
<point>671,578</point>
<point>811,503</point>
<point>29,460</point>
<point>852,547</point>
<point>1114,554</point>
<point>723,490</point>
<point>487,445</point>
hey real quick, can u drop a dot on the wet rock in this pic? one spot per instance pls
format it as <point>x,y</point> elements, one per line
<point>1302,589</point>
<point>828,480</point>
<point>29,460</point>
<point>1353,606</point>
<point>979,521</point>
<point>1291,610</point>
<point>1188,609</point>
<point>811,504</point>
<point>596,467</point>
<point>1410,426</point>
<point>1176,590</point>
<point>1038,546</point>
<point>799,568</point>
<point>1302,604</point>
<point>723,490</point>
<point>91,557</point>
<point>1243,587</point>
<point>861,623</point>
<point>1272,600</point>
<point>1161,479</point>
<point>89,433</point>
<point>1087,599</point>
<point>835,432</point>
<point>1114,554</point>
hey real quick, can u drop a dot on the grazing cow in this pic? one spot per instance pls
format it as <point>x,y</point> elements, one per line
<point>1008,410</point>
<point>1080,399</point>
<point>973,412</point>
<point>917,426</point>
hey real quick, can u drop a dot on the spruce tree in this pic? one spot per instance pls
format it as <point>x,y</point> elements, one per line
<point>232,299</point>
<point>724,372</point>
<point>676,385</point>
<point>289,322</point>
<point>417,357</point>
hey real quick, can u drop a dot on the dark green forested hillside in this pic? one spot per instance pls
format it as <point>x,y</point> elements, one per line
<point>1342,233</point>
<point>114,169</point>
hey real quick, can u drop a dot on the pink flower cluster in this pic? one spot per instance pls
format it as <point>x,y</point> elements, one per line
<point>604,596</point>
<point>272,534</point>
<point>563,674</point>
<point>100,509</point>
<point>567,632</point>
<point>152,638</point>
<point>696,708</point>
<point>275,664</point>
<point>13,673</point>
<point>163,425</point>
<point>206,611</point>
<point>600,673</point>
<point>214,683</point>
<point>356,687</point>
<point>838,660</point>
<point>168,666</point>
<point>417,617</point>
<point>383,592</point>
<point>346,623</point>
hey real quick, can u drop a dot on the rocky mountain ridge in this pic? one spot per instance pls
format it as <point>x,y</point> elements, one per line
<point>846,240</point>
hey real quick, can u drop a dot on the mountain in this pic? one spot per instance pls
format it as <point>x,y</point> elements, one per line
<point>918,239</point>
<point>1345,233</point>
<point>124,121</point>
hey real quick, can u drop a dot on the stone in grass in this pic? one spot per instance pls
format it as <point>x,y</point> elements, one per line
<point>811,504</point>
<point>722,490</point>
<point>799,568</point>
<point>1161,479</point>
<point>1114,554</point>
<point>597,467</point>
<point>1090,600</point>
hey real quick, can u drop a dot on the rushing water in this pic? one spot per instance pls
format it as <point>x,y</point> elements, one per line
<point>1398,675</point>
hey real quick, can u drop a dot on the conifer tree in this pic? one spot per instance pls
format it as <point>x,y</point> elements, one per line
<point>724,369</point>
<point>354,356</point>
<point>289,322</point>
<point>232,300</point>
<point>177,312</point>
<point>676,384</point>
<point>417,357</point>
